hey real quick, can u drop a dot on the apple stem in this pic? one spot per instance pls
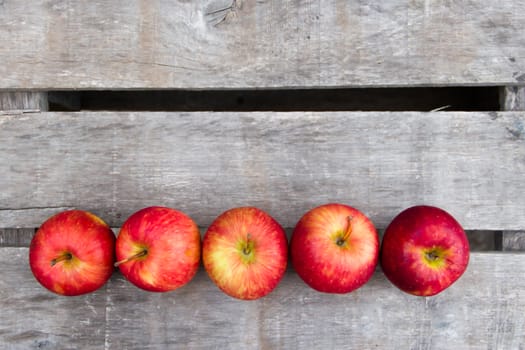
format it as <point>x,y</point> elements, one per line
<point>347,233</point>
<point>247,249</point>
<point>65,256</point>
<point>140,254</point>
<point>432,255</point>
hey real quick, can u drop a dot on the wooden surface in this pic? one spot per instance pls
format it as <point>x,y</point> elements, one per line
<point>16,237</point>
<point>483,310</point>
<point>513,99</point>
<point>513,241</point>
<point>22,101</point>
<point>114,163</point>
<point>33,318</point>
<point>19,102</point>
<point>285,163</point>
<point>258,44</point>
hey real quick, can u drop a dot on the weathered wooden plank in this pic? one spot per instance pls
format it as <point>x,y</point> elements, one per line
<point>20,101</point>
<point>33,318</point>
<point>513,241</point>
<point>204,163</point>
<point>513,100</point>
<point>255,44</point>
<point>16,237</point>
<point>23,101</point>
<point>481,311</point>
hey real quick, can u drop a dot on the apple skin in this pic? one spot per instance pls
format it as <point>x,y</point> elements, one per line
<point>327,260</point>
<point>168,244</point>
<point>424,250</point>
<point>72,253</point>
<point>245,253</point>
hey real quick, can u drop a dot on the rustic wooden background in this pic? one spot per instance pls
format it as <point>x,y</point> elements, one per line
<point>112,106</point>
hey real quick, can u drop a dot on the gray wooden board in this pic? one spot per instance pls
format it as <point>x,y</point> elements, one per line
<point>483,310</point>
<point>513,241</point>
<point>33,318</point>
<point>20,102</point>
<point>23,101</point>
<point>16,237</point>
<point>203,163</point>
<point>513,100</point>
<point>257,44</point>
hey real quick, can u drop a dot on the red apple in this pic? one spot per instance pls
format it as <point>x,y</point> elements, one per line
<point>424,250</point>
<point>334,248</point>
<point>245,253</point>
<point>158,249</point>
<point>72,253</point>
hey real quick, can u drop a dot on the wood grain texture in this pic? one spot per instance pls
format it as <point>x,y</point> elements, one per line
<point>471,164</point>
<point>16,237</point>
<point>257,44</point>
<point>295,316</point>
<point>513,100</point>
<point>483,310</point>
<point>513,241</point>
<point>23,101</point>
<point>33,318</point>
